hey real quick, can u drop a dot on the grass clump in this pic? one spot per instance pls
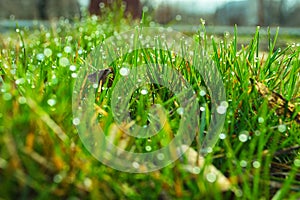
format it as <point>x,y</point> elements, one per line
<point>42,156</point>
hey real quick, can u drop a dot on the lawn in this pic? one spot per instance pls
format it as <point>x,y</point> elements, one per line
<point>50,77</point>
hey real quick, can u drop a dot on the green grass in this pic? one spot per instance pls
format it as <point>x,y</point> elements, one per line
<point>42,157</point>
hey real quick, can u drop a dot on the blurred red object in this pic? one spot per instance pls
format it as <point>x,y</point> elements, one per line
<point>133,7</point>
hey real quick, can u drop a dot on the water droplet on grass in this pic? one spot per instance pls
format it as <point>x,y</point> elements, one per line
<point>22,100</point>
<point>76,121</point>
<point>124,71</point>
<point>144,91</point>
<point>47,52</point>
<point>202,93</point>
<point>160,156</point>
<point>211,177</point>
<point>136,165</point>
<point>68,49</point>
<point>297,162</point>
<point>222,136</point>
<point>180,110</point>
<point>243,136</point>
<point>282,128</point>
<point>51,102</point>
<point>74,75</point>
<point>196,170</point>
<point>40,57</point>
<point>178,17</point>
<point>148,148</point>
<point>256,164</point>
<point>20,81</point>
<point>72,67</point>
<point>63,61</point>
<point>243,163</point>
<point>261,120</point>
<point>7,96</point>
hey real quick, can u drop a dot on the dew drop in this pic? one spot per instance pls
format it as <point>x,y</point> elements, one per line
<point>261,120</point>
<point>211,177</point>
<point>202,93</point>
<point>40,57</point>
<point>222,136</point>
<point>87,182</point>
<point>51,102</point>
<point>124,71</point>
<point>22,100</point>
<point>180,110</point>
<point>68,49</point>
<point>76,121</point>
<point>221,109</point>
<point>282,128</point>
<point>243,163</point>
<point>297,162</point>
<point>160,156</point>
<point>57,178</point>
<point>196,170</point>
<point>63,61</point>
<point>243,136</point>
<point>72,67</point>
<point>144,91</point>
<point>148,148</point>
<point>136,165</point>
<point>7,96</point>
<point>74,75</point>
<point>47,52</point>
<point>256,164</point>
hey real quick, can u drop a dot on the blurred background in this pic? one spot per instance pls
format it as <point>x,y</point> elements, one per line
<point>186,12</point>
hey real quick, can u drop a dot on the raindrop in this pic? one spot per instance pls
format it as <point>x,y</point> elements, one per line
<point>40,57</point>
<point>7,96</point>
<point>47,52</point>
<point>57,178</point>
<point>74,75</point>
<point>20,81</point>
<point>196,170</point>
<point>256,164</point>
<point>76,121</point>
<point>297,162</point>
<point>202,93</point>
<point>178,17</point>
<point>148,148</point>
<point>257,133</point>
<point>72,67</point>
<point>222,136</point>
<point>243,163</point>
<point>144,91</point>
<point>261,120</point>
<point>87,182</point>
<point>211,177</point>
<point>160,156</point>
<point>22,100</point>
<point>243,136</point>
<point>221,109</point>
<point>51,102</point>
<point>68,49</point>
<point>136,165</point>
<point>202,109</point>
<point>180,111</point>
<point>282,128</point>
<point>64,61</point>
<point>124,71</point>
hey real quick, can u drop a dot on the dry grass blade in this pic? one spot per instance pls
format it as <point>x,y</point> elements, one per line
<point>275,100</point>
<point>47,120</point>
